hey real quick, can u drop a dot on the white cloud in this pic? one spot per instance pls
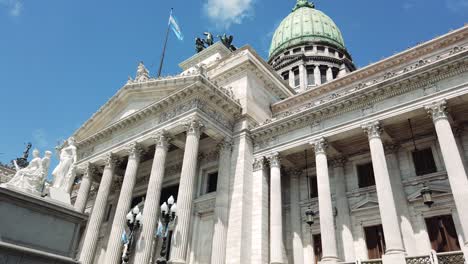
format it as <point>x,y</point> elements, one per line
<point>457,5</point>
<point>14,7</point>
<point>40,138</point>
<point>224,13</point>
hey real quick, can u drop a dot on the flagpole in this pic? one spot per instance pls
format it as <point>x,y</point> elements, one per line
<point>164,48</point>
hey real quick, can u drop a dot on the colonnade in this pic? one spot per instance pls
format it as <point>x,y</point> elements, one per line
<point>395,249</point>
<point>151,209</point>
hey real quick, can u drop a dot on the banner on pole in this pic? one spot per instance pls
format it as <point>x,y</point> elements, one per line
<point>175,27</point>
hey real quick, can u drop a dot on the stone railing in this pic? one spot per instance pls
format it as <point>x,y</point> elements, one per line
<point>371,261</point>
<point>420,260</point>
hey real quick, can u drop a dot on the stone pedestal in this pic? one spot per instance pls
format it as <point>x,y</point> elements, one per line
<point>59,195</point>
<point>37,230</point>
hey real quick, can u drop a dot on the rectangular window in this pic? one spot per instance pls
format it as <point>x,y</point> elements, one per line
<point>297,80</point>
<point>317,247</point>
<point>211,182</point>
<point>320,49</point>
<point>323,74</point>
<point>285,75</point>
<point>442,233</point>
<point>309,48</point>
<point>424,161</point>
<point>297,50</point>
<point>365,175</point>
<point>310,75</point>
<point>313,187</point>
<point>375,241</point>
<point>286,53</point>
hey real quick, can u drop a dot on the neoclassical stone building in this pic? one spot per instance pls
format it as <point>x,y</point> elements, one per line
<point>297,159</point>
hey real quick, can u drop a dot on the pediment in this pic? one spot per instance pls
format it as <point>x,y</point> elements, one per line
<point>366,203</point>
<point>128,100</point>
<point>437,190</point>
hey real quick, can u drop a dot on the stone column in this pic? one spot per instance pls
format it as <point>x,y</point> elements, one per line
<point>327,221</point>
<point>343,219</point>
<point>303,77</point>
<point>185,197</point>
<point>291,78</point>
<point>318,79</point>
<point>295,212</point>
<point>395,253</point>
<point>260,202</point>
<point>85,186</point>
<point>114,245</point>
<point>95,220</point>
<point>329,74</point>
<point>391,150</point>
<point>276,206</point>
<point>153,194</point>
<point>218,250</point>
<point>453,163</point>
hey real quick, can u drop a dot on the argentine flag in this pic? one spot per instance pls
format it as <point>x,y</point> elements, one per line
<point>175,27</point>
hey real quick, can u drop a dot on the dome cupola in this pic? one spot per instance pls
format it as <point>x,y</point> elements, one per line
<point>309,34</point>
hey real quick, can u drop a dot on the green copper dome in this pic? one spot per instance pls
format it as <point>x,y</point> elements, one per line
<point>305,24</point>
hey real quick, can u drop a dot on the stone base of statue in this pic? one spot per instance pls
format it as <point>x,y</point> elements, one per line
<point>38,230</point>
<point>59,195</point>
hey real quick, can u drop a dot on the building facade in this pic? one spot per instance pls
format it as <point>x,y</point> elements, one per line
<point>298,159</point>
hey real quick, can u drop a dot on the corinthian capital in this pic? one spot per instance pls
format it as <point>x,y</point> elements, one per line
<point>320,146</point>
<point>274,160</point>
<point>259,164</point>
<point>110,160</point>
<point>161,140</point>
<point>338,162</point>
<point>88,170</point>
<point>373,129</point>
<point>194,127</point>
<point>224,145</point>
<point>134,150</point>
<point>437,110</point>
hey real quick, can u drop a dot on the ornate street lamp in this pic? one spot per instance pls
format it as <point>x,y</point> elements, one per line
<point>310,215</point>
<point>426,194</point>
<point>134,220</point>
<point>168,215</point>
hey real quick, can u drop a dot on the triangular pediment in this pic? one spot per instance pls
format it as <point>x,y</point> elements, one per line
<point>129,100</point>
<point>366,203</point>
<point>437,190</point>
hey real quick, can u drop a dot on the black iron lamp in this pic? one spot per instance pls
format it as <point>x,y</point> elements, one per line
<point>426,194</point>
<point>134,220</point>
<point>310,215</point>
<point>168,215</point>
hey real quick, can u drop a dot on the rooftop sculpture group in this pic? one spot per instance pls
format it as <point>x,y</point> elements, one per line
<point>201,44</point>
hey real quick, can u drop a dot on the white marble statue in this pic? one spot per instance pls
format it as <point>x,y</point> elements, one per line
<point>64,173</point>
<point>31,178</point>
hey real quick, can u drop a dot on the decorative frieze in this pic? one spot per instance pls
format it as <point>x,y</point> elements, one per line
<point>437,110</point>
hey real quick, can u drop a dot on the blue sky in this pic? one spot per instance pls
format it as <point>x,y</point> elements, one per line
<point>60,60</point>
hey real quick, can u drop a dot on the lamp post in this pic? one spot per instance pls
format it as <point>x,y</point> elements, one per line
<point>168,215</point>
<point>426,194</point>
<point>310,215</point>
<point>134,219</point>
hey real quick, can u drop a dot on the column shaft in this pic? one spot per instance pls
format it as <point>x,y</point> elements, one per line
<point>114,245</point>
<point>344,217</point>
<point>185,196</point>
<point>329,74</point>
<point>276,218</point>
<point>295,213</point>
<point>317,77</point>
<point>327,221</point>
<point>85,186</point>
<point>97,214</point>
<point>453,163</point>
<point>218,250</point>
<point>153,194</point>
<point>387,207</point>
<point>302,77</point>
<point>259,211</point>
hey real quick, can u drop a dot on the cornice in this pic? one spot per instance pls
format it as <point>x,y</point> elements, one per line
<point>383,66</point>
<point>207,90</point>
<point>362,96</point>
